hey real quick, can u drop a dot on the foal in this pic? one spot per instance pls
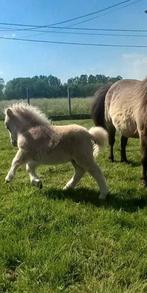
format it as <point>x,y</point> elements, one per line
<point>39,142</point>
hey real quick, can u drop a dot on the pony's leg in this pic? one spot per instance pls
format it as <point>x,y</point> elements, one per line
<point>111,143</point>
<point>30,168</point>
<point>19,159</point>
<point>97,174</point>
<point>124,141</point>
<point>79,172</point>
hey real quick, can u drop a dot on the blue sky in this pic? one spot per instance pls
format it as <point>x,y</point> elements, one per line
<point>64,61</point>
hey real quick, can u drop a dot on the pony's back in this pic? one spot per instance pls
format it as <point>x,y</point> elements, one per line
<point>125,92</point>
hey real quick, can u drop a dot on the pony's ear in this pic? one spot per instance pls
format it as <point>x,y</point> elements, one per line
<point>9,112</point>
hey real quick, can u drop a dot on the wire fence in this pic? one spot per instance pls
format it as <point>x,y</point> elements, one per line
<point>57,108</point>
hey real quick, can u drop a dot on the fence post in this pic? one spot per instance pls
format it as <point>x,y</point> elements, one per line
<point>69,100</point>
<point>28,98</point>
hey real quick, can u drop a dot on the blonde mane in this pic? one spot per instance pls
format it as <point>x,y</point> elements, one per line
<point>30,113</point>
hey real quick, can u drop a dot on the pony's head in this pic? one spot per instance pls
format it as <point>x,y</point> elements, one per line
<point>19,117</point>
<point>11,126</point>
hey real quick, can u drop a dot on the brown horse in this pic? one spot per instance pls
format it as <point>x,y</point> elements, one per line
<point>122,106</point>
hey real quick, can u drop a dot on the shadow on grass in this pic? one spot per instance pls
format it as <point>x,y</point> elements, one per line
<point>130,163</point>
<point>116,201</point>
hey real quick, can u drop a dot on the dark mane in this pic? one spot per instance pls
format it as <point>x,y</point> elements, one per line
<point>98,107</point>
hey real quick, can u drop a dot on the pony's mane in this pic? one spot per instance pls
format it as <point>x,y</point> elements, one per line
<point>28,112</point>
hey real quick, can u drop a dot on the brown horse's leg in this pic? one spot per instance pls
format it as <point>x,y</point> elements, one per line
<point>111,143</point>
<point>144,171</point>
<point>144,161</point>
<point>124,141</point>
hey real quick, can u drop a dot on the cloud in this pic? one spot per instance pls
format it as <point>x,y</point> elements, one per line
<point>135,65</point>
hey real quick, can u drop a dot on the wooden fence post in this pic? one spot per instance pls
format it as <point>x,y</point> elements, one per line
<point>69,100</point>
<point>28,98</point>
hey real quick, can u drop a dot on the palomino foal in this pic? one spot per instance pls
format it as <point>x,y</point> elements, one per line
<point>39,142</point>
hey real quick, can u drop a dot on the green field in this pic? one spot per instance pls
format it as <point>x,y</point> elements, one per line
<point>58,106</point>
<point>55,241</point>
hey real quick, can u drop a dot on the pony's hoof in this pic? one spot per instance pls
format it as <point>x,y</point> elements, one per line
<point>8,179</point>
<point>38,183</point>
<point>65,187</point>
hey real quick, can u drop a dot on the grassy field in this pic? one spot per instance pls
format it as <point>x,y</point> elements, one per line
<point>58,106</point>
<point>55,241</point>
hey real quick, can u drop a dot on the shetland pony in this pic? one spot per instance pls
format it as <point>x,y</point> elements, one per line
<point>38,142</point>
<point>122,106</point>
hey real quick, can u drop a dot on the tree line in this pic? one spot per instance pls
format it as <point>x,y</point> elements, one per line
<point>52,87</point>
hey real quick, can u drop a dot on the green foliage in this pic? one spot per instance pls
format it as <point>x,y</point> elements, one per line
<point>1,88</point>
<point>57,241</point>
<point>85,85</point>
<point>51,86</point>
<point>37,86</point>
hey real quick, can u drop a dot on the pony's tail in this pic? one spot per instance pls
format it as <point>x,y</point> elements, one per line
<point>100,137</point>
<point>98,107</point>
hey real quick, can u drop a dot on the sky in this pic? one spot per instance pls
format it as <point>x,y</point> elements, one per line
<point>26,59</point>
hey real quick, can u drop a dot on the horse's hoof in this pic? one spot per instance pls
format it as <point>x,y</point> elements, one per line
<point>103,196</point>
<point>111,159</point>
<point>143,182</point>
<point>124,161</point>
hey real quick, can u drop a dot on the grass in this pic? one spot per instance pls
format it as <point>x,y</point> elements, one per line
<point>55,241</point>
<point>58,106</point>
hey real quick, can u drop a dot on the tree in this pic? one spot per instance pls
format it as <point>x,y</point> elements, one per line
<point>83,79</point>
<point>92,79</point>
<point>53,81</point>
<point>2,84</point>
<point>51,86</point>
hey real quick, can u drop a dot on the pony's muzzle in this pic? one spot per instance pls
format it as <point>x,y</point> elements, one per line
<point>14,142</point>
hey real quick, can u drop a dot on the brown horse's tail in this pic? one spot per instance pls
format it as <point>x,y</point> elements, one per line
<point>98,107</point>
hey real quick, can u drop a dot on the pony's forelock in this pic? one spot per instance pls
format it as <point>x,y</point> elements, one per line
<point>33,112</point>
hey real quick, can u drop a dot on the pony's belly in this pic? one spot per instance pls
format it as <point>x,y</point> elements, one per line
<point>129,133</point>
<point>53,157</point>
<point>125,124</point>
